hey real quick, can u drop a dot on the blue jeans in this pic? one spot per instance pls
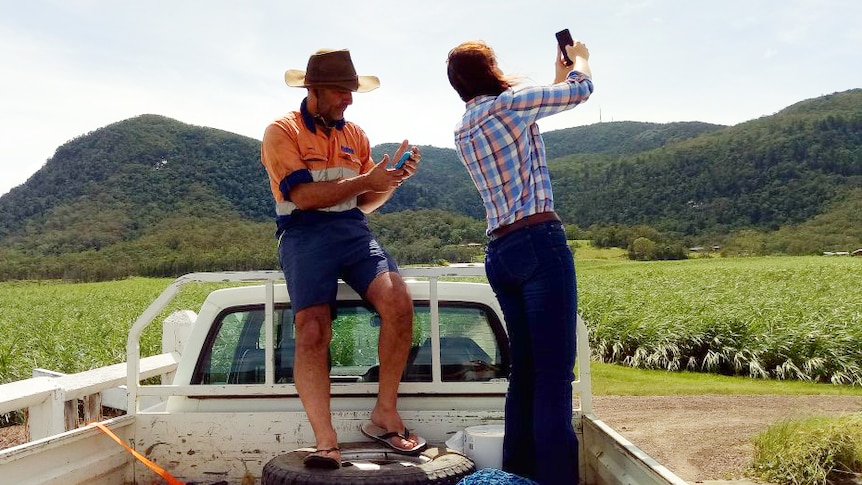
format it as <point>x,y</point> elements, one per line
<point>532,272</point>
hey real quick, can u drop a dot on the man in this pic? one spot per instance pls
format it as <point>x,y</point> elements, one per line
<point>324,181</point>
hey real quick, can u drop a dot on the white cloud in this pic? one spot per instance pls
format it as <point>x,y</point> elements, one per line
<point>80,65</point>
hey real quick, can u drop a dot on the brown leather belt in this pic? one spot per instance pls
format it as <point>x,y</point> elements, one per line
<point>522,223</point>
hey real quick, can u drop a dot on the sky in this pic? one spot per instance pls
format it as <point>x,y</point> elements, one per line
<point>70,67</point>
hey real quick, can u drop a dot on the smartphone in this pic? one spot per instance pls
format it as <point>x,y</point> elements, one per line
<point>564,38</point>
<point>402,160</point>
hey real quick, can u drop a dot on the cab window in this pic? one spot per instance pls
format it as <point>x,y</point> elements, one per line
<point>472,346</point>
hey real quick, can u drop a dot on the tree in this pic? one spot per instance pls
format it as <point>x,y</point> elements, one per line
<point>642,249</point>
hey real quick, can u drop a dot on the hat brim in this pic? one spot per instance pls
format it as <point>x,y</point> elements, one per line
<point>296,79</point>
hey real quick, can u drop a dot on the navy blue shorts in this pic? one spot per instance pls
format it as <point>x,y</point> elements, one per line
<point>314,256</point>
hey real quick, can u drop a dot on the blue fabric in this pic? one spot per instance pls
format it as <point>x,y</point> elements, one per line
<point>315,254</point>
<point>295,178</point>
<point>304,217</point>
<point>490,476</point>
<point>532,272</point>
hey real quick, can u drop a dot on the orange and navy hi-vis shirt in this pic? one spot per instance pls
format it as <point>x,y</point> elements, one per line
<point>295,151</point>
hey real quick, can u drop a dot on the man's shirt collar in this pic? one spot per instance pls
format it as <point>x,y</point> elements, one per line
<point>311,121</point>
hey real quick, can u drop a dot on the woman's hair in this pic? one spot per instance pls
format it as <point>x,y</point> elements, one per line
<point>472,69</point>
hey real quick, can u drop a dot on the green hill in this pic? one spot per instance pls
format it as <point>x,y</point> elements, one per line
<point>620,137</point>
<point>151,195</point>
<point>764,174</point>
<point>133,173</point>
<point>441,183</point>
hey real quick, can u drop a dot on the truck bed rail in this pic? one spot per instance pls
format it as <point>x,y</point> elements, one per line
<point>52,402</point>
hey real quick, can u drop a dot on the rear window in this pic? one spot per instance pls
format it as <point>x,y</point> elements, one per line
<point>472,345</point>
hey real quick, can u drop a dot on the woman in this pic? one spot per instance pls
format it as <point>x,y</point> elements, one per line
<point>527,261</point>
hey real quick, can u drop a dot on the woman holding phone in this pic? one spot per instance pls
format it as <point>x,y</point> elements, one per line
<point>528,262</point>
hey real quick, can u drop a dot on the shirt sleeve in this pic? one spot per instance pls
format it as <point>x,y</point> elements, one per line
<point>280,157</point>
<point>364,151</point>
<point>537,102</point>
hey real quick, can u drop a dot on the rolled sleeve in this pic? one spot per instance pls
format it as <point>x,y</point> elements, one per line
<point>280,158</point>
<point>292,180</point>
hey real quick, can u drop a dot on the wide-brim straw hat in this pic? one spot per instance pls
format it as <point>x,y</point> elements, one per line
<point>331,68</point>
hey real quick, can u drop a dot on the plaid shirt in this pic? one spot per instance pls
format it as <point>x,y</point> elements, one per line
<point>500,144</point>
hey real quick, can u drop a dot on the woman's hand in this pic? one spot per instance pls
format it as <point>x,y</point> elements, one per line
<point>579,54</point>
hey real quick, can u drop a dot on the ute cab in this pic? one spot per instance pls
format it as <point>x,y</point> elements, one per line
<point>459,350</point>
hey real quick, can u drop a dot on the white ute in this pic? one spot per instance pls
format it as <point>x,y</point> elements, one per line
<point>219,404</point>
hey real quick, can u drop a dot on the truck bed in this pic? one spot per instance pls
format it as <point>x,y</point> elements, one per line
<point>222,412</point>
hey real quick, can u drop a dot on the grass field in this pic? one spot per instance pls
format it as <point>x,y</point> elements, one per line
<point>795,318</point>
<point>775,317</point>
<point>70,328</point>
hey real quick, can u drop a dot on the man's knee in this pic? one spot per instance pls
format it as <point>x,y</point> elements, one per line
<point>314,328</point>
<point>398,308</point>
<point>390,296</point>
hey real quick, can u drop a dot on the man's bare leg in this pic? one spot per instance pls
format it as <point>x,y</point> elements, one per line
<point>390,297</point>
<point>311,373</point>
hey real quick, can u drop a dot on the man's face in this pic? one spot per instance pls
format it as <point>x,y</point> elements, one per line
<point>331,103</point>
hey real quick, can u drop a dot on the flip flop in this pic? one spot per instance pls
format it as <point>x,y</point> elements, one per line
<point>320,458</point>
<point>379,434</point>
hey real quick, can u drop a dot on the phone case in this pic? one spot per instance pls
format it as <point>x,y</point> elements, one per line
<point>564,38</point>
<point>402,160</point>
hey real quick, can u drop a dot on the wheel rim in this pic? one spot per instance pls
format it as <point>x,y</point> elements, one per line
<point>376,459</point>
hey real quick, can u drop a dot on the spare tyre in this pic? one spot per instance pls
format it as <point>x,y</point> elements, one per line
<point>371,463</point>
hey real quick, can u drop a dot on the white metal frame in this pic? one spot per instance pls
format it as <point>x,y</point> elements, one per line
<point>580,387</point>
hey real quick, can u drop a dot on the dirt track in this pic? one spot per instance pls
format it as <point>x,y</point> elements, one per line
<point>708,437</point>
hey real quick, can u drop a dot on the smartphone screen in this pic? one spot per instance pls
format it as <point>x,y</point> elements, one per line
<point>564,38</point>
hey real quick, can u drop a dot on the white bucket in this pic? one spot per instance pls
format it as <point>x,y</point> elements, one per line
<point>484,445</point>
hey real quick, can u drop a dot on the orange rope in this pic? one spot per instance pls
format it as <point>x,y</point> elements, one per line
<point>143,459</point>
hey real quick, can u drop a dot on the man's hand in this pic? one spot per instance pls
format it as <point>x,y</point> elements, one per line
<point>382,178</point>
<point>412,164</point>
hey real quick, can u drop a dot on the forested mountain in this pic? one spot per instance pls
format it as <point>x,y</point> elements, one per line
<point>132,187</point>
<point>110,184</point>
<point>620,137</point>
<point>441,183</point>
<point>131,174</point>
<point>766,173</point>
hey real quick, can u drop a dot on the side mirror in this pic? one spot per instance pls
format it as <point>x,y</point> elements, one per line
<point>375,320</point>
